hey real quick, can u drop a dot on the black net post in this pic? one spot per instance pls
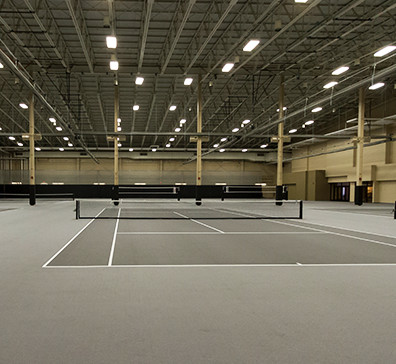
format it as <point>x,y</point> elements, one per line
<point>77,209</point>
<point>116,194</point>
<point>198,198</point>
<point>32,195</point>
<point>394,211</point>
<point>300,215</point>
<point>358,195</point>
<point>279,195</point>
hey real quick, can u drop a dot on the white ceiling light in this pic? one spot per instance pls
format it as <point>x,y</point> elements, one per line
<point>222,150</point>
<point>114,65</point>
<point>284,109</point>
<point>223,139</point>
<point>119,144</point>
<point>171,139</point>
<point>309,122</point>
<point>301,1</point>
<point>1,65</point>
<point>118,120</point>
<point>23,106</point>
<point>38,149</point>
<point>384,51</point>
<point>61,149</point>
<point>245,122</point>
<point>292,131</point>
<point>317,109</point>
<point>52,120</point>
<point>376,86</point>
<point>330,84</point>
<point>183,121</point>
<point>139,80</point>
<point>11,138</point>
<point>227,67</point>
<point>244,150</point>
<point>168,145</point>
<point>119,128</point>
<point>65,138</point>
<point>172,108</point>
<point>130,149</point>
<point>264,146</point>
<point>340,70</point>
<point>20,144</point>
<point>215,145</point>
<point>135,107</point>
<point>153,149</point>
<point>111,42</point>
<point>69,144</point>
<point>253,43</point>
<point>58,128</point>
<point>177,130</point>
<point>188,81</point>
<point>235,130</point>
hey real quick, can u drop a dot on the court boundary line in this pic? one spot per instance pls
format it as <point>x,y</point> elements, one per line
<point>213,233</point>
<point>70,241</point>
<point>200,223</point>
<point>253,265</point>
<point>110,261</point>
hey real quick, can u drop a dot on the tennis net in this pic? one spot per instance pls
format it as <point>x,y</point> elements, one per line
<point>161,209</point>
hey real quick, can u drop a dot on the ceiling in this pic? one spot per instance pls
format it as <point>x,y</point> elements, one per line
<point>57,49</point>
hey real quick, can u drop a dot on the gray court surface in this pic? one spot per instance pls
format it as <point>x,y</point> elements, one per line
<point>318,290</point>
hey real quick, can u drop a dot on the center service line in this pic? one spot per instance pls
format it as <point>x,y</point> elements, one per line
<point>198,222</point>
<point>110,263</point>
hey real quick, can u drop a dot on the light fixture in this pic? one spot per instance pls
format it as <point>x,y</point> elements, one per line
<point>61,149</point>
<point>58,128</point>
<point>253,43</point>
<point>113,64</point>
<point>38,149</point>
<point>23,106</point>
<point>171,139</point>
<point>284,109</point>
<point>172,108</point>
<point>65,138</point>
<point>1,65</point>
<point>119,128</point>
<point>119,145</point>
<point>223,139</point>
<point>352,120</point>
<point>111,42</point>
<point>309,122</point>
<point>69,144</point>
<point>227,67</point>
<point>317,109</point>
<point>244,150</point>
<point>154,149</point>
<point>11,138</point>
<point>20,144</point>
<point>292,131</point>
<point>235,130</point>
<point>52,120</point>
<point>139,80</point>
<point>221,150</point>
<point>135,107</point>
<point>245,122</point>
<point>384,51</point>
<point>118,120</point>
<point>183,121</point>
<point>130,149</point>
<point>264,146</point>
<point>168,145</point>
<point>301,1</point>
<point>188,81</point>
<point>340,70</point>
<point>177,130</point>
<point>376,86</point>
<point>330,84</point>
<point>215,145</point>
<point>1,128</point>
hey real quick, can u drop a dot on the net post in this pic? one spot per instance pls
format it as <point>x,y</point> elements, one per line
<point>223,192</point>
<point>32,195</point>
<point>77,209</point>
<point>279,195</point>
<point>178,193</point>
<point>198,199</point>
<point>394,211</point>
<point>300,216</point>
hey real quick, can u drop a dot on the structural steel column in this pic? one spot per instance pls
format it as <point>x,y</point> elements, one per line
<point>359,156</point>
<point>32,169</point>
<point>199,142</point>
<point>279,171</point>
<point>116,110</point>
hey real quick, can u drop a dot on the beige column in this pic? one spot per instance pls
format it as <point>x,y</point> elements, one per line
<point>199,130</point>
<point>360,140</point>
<point>32,167</point>
<point>279,171</point>
<point>116,109</point>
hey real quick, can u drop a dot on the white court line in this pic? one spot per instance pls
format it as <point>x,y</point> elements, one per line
<point>357,213</point>
<point>213,233</point>
<point>114,239</point>
<point>71,240</point>
<point>339,234</point>
<point>198,222</point>
<point>299,265</point>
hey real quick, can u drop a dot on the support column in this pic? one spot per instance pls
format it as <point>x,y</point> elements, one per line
<point>32,169</point>
<point>199,144</point>
<point>359,154</point>
<point>116,109</point>
<point>279,171</point>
